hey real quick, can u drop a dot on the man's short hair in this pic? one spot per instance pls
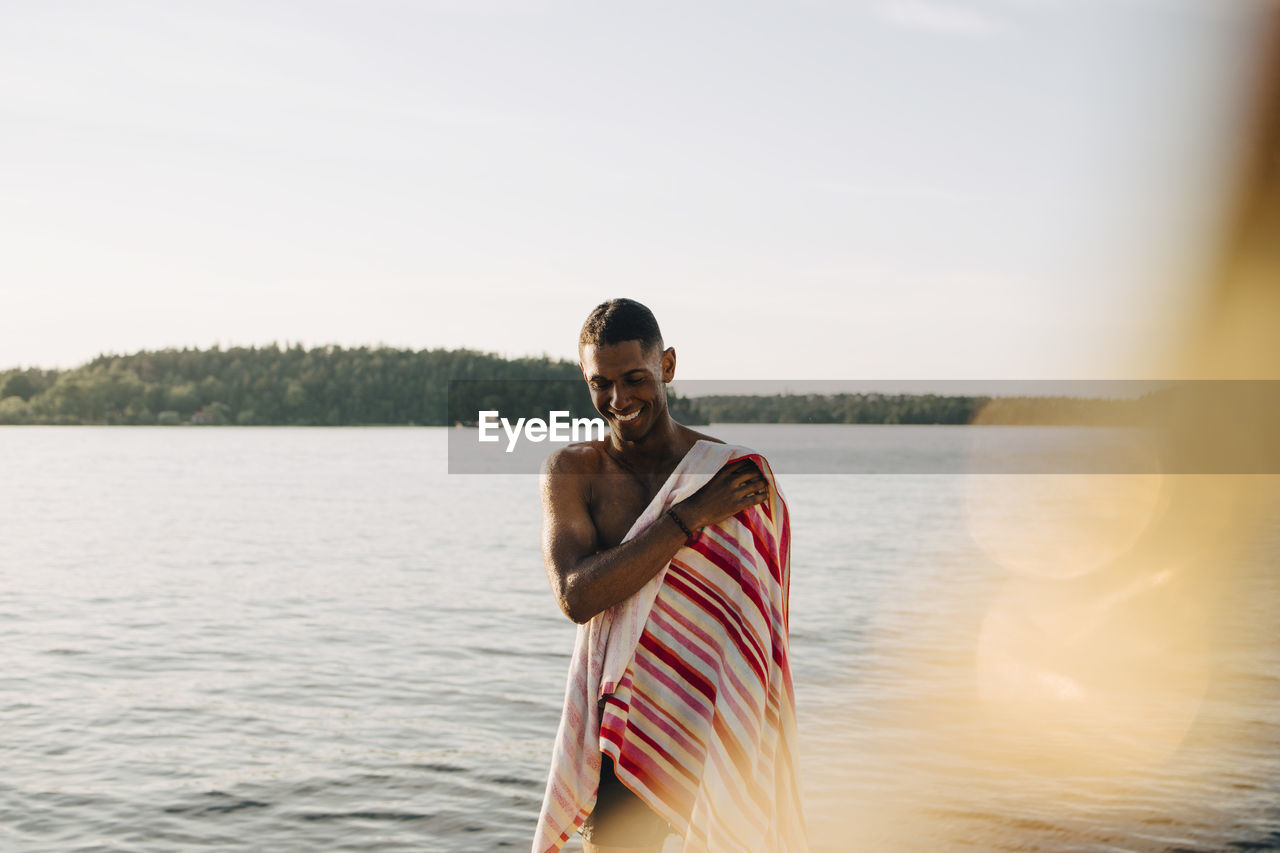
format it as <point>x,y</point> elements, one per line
<point>620,320</point>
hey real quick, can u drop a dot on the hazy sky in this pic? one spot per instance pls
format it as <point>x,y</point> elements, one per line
<point>909,188</point>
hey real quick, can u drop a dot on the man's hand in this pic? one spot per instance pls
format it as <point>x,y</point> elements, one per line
<point>734,488</point>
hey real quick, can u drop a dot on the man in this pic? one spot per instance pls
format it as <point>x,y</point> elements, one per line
<point>598,563</point>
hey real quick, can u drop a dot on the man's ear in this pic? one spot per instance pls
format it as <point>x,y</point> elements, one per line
<point>669,364</point>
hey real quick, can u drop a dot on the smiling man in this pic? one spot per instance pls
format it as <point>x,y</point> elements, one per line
<point>669,548</point>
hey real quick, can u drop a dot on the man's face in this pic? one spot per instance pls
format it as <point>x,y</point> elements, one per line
<point>627,385</point>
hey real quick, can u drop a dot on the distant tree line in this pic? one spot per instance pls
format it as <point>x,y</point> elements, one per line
<point>333,386</point>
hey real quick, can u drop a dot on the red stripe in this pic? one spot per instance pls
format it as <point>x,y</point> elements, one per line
<point>730,672</point>
<point>639,761</point>
<point>759,524</point>
<point>739,602</point>
<point>702,582</point>
<point>726,565</point>
<point>656,710</point>
<point>676,796</point>
<point>711,603</point>
<point>698,707</point>
<point>674,662</point>
<point>764,546</point>
<point>698,649</point>
<point>750,585</point>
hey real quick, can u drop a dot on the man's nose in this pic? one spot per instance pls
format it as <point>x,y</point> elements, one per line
<point>620,399</point>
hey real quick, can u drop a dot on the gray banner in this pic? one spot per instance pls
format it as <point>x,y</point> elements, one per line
<point>897,427</point>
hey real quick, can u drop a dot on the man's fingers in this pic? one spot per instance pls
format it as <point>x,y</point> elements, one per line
<point>746,483</point>
<point>756,487</point>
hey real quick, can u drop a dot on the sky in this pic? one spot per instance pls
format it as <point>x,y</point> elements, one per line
<point>907,189</point>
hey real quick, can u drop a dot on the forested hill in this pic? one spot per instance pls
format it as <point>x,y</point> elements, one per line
<point>327,386</point>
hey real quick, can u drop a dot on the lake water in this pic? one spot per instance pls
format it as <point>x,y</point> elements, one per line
<point>318,640</point>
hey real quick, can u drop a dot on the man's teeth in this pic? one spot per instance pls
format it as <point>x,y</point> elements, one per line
<point>625,418</point>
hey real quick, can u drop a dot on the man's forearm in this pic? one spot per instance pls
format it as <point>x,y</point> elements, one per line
<point>603,579</point>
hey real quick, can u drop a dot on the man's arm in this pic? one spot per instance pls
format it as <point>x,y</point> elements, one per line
<point>587,580</point>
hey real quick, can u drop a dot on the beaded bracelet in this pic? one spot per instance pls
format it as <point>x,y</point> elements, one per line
<point>687,532</point>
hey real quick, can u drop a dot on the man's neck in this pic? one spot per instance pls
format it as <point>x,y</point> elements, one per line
<point>655,450</point>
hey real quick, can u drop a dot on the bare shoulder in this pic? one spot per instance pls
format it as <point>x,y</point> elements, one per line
<point>566,485</point>
<point>584,458</point>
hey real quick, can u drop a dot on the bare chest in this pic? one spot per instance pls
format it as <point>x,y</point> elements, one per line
<point>616,502</point>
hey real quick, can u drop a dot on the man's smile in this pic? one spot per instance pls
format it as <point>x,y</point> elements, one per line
<point>624,419</point>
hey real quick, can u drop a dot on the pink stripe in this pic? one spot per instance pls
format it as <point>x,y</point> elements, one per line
<point>741,687</point>
<point>657,669</point>
<point>699,592</point>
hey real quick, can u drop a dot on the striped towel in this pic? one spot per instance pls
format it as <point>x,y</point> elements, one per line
<point>700,719</point>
